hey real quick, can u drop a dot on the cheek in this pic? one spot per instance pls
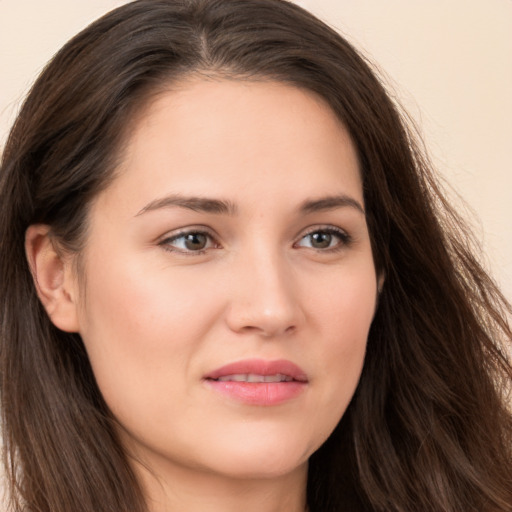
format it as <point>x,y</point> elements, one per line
<point>343,317</point>
<point>345,306</point>
<point>140,331</point>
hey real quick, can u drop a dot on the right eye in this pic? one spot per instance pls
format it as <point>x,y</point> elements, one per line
<point>189,242</point>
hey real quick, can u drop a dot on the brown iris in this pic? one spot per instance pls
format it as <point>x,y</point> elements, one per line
<point>321,240</point>
<point>195,241</point>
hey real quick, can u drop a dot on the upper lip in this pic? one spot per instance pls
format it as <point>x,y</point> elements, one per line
<point>260,367</point>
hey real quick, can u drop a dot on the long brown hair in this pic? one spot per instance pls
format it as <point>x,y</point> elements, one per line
<point>428,428</point>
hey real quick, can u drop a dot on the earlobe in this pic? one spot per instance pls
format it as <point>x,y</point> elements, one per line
<point>53,277</point>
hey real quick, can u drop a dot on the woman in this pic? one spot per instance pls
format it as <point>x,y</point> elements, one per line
<point>229,280</point>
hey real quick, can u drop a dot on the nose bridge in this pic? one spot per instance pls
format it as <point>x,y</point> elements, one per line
<point>264,298</point>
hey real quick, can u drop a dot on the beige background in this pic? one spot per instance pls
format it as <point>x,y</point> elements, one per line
<point>448,61</point>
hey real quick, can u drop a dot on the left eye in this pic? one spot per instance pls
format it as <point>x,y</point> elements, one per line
<point>324,239</point>
<point>192,241</point>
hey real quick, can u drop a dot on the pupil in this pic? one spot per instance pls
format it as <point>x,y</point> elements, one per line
<point>195,241</point>
<point>321,240</point>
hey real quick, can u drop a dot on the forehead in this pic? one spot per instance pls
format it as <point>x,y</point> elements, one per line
<point>237,138</point>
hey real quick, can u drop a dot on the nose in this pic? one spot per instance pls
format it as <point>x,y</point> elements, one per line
<point>264,297</point>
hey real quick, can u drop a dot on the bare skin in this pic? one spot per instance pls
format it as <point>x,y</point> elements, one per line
<point>234,234</point>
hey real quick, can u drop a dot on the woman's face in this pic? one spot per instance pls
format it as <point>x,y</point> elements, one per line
<point>229,280</point>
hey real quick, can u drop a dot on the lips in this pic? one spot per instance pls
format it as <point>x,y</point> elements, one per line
<point>259,382</point>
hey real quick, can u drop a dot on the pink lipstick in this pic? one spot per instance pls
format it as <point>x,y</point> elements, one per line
<point>259,382</point>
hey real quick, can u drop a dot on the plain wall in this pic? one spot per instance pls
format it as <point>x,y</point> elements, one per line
<point>448,61</point>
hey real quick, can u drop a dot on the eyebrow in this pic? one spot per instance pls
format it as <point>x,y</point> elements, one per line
<point>197,204</point>
<point>223,207</point>
<point>331,203</point>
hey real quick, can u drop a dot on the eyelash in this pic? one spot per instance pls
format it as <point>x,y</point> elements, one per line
<point>344,240</point>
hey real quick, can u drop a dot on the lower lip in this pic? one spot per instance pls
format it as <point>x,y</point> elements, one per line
<point>259,393</point>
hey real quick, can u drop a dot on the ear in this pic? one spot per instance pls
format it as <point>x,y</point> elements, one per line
<point>53,277</point>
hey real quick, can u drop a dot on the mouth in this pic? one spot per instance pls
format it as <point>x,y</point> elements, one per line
<point>258,382</point>
<point>259,370</point>
<point>252,377</point>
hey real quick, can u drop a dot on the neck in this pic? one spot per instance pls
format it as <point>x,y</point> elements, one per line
<point>185,490</point>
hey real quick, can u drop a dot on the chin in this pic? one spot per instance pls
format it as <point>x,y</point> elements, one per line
<point>263,457</point>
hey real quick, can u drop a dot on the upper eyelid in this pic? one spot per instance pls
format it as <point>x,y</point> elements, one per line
<point>322,227</point>
<point>172,235</point>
